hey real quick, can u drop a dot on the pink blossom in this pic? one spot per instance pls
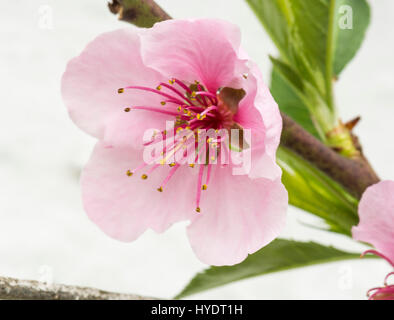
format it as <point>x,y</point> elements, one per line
<point>174,72</point>
<point>376,212</point>
<point>387,291</point>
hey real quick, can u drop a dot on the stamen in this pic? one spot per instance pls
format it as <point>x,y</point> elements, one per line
<point>194,108</point>
<point>208,174</point>
<point>177,92</point>
<point>174,99</point>
<point>386,279</point>
<point>199,187</point>
<point>206,111</point>
<point>378,254</point>
<point>172,172</point>
<point>154,109</point>
<point>206,94</point>
<point>182,85</point>
<point>203,100</point>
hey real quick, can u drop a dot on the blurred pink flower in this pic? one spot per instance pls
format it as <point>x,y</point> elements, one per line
<point>386,292</point>
<point>376,212</point>
<point>174,72</point>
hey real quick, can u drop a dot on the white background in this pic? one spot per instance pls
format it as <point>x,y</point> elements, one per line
<point>44,232</point>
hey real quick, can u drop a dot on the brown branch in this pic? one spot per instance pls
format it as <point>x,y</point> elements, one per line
<point>354,174</point>
<point>14,289</point>
<point>142,13</point>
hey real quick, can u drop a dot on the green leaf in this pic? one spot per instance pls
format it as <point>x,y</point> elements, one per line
<point>287,92</point>
<point>311,41</point>
<point>313,191</point>
<point>349,40</point>
<point>300,30</point>
<point>279,255</point>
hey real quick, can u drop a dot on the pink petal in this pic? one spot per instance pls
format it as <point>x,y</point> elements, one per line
<point>238,217</point>
<point>259,112</point>
<point>205,50</point>
<point>124,207</point>
<point>91,81</point>
<point>376,211</point>
<point>127,129</point>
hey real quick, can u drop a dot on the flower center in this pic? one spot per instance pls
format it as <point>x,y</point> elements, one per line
<point>194,108</point>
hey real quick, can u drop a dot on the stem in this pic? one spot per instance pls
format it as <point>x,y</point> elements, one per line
<point>354,174</point>
<point>14,289</point>
<point>142,13</point>
<point>330,57</point>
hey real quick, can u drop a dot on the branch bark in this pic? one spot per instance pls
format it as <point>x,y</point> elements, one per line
<point>354,174</point>
<point>141,13</point>
<point>14,289</point>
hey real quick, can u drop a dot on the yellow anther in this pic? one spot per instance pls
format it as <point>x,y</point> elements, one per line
<point>129,173</point>
<point>191,165</point>
<point>179,109</point>
<point>144,177</point>
<point>198,116</point>
<point>165,132</point>
<point>172,165</point>
<point>198,209</point>
<point>163,103</point>
<point>158,88</point>
<point>120,90</point>
<point>127,110</point>
<point>209,140</point>
<point>163,162</point>
<point>160,189</point>
<point>193,94</point>
<point>204,187</point>
<point>171,81</point>
<point>197,82</point>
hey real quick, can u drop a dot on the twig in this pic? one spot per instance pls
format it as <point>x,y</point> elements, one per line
<point>354,174</point>
<point>141,13</point>
<point>14,289</point>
